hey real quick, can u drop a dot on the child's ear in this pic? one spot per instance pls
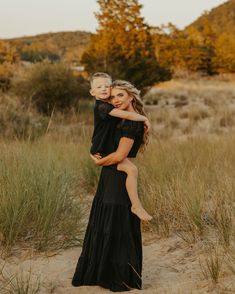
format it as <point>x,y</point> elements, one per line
<point>91,92</point>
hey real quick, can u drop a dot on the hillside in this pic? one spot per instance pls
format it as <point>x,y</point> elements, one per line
<point>220,18</point>
<point>67,46</point>
<point>60,39</point>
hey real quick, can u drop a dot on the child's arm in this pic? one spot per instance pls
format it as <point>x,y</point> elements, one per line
<point>127,115</point>
<point>124,147</point>
<point>131,116</point>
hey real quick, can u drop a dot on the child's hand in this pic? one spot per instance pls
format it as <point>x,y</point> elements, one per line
<point>97,155</point>
<point>147,126</point>
<point>95,158</point>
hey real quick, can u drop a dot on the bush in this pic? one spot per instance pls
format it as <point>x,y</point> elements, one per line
<point>18,122</point>
<point>6,73</point>
<point>51,86</point>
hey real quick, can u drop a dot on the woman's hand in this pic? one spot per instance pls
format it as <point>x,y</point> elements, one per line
<point>124,147</point>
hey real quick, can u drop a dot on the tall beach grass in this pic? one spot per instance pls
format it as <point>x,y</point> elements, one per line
<point>189,186</point>
<point>41,187</point>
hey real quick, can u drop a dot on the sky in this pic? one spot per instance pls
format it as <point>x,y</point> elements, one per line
<point>30,17</point>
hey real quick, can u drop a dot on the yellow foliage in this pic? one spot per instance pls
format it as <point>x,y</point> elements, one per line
<point>8,52</point>
<point>225,53</point>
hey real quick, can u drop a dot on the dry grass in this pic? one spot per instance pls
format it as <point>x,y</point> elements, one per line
<point>203,106</point>
<point>19,282</point>
<point>212,263</point>
<point>189,186</point>
<point>40,192</point>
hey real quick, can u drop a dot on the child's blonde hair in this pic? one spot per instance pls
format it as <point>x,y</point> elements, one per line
<point>99,75</point>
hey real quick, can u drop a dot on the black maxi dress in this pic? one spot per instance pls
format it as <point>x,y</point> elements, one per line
<point>112,250</point>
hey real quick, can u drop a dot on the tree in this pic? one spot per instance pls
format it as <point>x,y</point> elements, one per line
<point>208,38</point>
<point>123,45</point>
<point>224,60</point>
<point>188,50</point>
<point>8,53</point>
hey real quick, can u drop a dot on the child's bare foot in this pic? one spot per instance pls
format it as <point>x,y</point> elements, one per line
<point>141,213</point>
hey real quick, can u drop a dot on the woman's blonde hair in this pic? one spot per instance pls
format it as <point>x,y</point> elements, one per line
<point>137,103</point>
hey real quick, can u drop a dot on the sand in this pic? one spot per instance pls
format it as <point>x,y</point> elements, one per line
<point>169,266</point>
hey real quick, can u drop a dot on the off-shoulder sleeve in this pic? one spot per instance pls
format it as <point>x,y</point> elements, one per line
<point>104,109</point>
<point>132,129</point>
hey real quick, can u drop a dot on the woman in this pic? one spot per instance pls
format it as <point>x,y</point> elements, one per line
<point>112,251</point>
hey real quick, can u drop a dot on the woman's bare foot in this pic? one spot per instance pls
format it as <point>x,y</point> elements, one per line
<point>141,213</point>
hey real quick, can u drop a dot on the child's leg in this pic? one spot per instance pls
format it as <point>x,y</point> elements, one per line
<point>131,185</point>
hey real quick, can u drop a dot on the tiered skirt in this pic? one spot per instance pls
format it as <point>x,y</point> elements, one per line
<point>112,249</point>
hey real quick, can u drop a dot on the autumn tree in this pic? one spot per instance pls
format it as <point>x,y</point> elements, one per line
<point>8,59</point>
<point>123,45</point>
<point>187,50</point>
<point>207,41</point>
<point>8,53</point>
<point>224,60</point>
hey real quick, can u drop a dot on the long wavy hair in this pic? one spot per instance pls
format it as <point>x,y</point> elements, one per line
<point>137,103</point>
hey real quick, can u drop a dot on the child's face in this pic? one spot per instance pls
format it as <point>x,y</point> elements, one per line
<point>100,88</point>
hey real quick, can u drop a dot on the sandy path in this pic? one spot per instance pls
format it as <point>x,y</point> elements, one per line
<point>170,266</point>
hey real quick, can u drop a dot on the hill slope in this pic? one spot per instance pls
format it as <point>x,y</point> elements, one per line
<point>220,18</point>
<point>69,46</point>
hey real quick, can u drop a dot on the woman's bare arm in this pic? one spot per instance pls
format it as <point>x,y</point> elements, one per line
<point>124,147</point>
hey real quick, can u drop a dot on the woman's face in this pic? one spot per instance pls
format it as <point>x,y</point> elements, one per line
<point>120,99</point>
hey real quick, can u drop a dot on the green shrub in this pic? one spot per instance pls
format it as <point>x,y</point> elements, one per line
<point>51,86</point>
